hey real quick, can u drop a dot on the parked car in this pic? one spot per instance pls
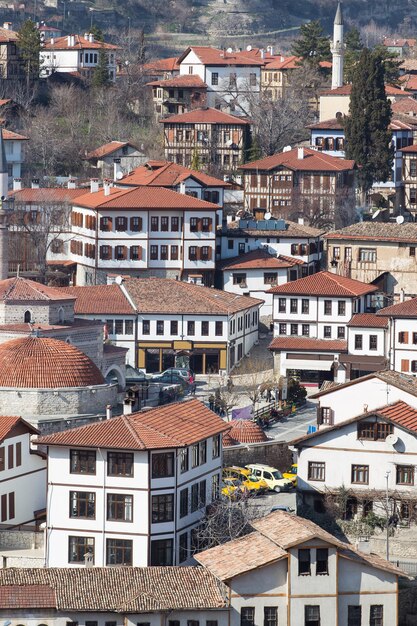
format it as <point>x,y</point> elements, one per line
<point>291,474</point>
<point>282,507</point>
<point>244,475</point>
<point>272,476</point>
<point>188,375</point>
<point>229,489</point>
<point>171,379</point>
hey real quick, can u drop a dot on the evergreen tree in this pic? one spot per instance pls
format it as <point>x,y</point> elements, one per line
<point>392,64</point>
<point>354,47</point>
<point>29,44</point>
<point>196,161</point>
<point>101,71</point>
<point>312,45</point>
<point>366,127</point>
<point>97,32</point>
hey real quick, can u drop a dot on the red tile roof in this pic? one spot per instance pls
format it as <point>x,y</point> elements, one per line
<point>405,105</point>
<point>81,43</point>
<point>400,413</point>
<point>10,135</point>
<point>7,35</point>
<point>205,116</point>
<point>333,124</point>
<point>391,42</point>
<point>167,174</point>
<point>20,289</point>
<point>100,300</point>
<point>214,56</point>
<point>107,149</point>
<point>184,81</point>
<point>176,425</point>
<point>367,320</point>
<point>40,362</point>
<point>405,309</point>
<point>161,65</point>
<point>259,258</point>
<point>246,431</point>
<point>307,344</point>
<point>27,597</point>
<point>325,284</point>
<point>143,198</point>
<point>46,194</point>
<point>377,231</point>
<point>8,422</point>
<point>312,161</point>
<point>346,89</point>
<point>165,295</point>
<point>411,149</point>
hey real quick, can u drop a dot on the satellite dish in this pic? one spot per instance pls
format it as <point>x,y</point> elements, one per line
<point>400,219</point>
<point>377,212</point>
<point>249,48</point>
<point>118,280</point>
<point>286,148</point>
<point>229,50</point>
<point>119,175</point>
<point>267,216</point>
<point>391,440</point>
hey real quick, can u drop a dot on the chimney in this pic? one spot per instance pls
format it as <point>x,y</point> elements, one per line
<point>363,545</point>
<point>86,36</point>
<point>52,41</point>
<point>69,40</point>
<point>402,295</point>
<point>262,51</point>
<point>94,186</point>
<point>17,184</point>
<point>108,411</point>
<point>301,221</point>
<point>91,38</point>
<point>117,169</point>
<point>127,406</point>
<point>182,187</point>
<point>7,25</point>
<point>106,187</point>
<point>35,183</point>
<point>72,40</point>
<point>271,50</point>
<point>282,59</point>
<point>72,183</point>
<point>300,153</point>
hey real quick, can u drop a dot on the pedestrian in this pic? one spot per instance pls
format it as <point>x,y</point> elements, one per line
<point>211,402</point>
<point>268,395</point>
<point>193,386</point>
<point>229,384</point>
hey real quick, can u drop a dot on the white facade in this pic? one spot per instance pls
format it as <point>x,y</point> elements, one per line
<point>256,284</point>
<point>403,343</point>
<point>73,54</point>
<point>137,493</point>
<point>13,144</point>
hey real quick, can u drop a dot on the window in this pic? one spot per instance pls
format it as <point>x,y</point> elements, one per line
<point>215,487</point>
<point>120,464</point>
<point>162,465</point>
<point>184,502</point>
<point>202,493</point>
<point>82,462</point>
<point>405,474</point>
<point>316,470</point>
<point>239,279</point>
<point>232,79</point>
<point>282,329</point>
<point>215,78</point>
<point>294,329</point>
<point>293,305</point>
<point>373,342</point>
<point>184,460</point>
<point>119,507</point>
<point>327,332</point>
<point>146,327</point>
<point>270,278</point>
<point>367,254</point>
<point>247,616</point>
<point>165,223</point>
<point>376,617</point>
<point>211,622</point>
<point>341,307</point>
<point>154,223</point>
<point>161,552</point>
<point>322,561</point>
<point>354,615</point>
<point>79,547</point>
<point>358,342</point>
<point>311,615</point>
<point>128,327</point>
<point>304,562</point>
<point>305,306</point>
<point>327,307</point>
<point>82,504</point>
<point>412,251</point>
<point>374,431</point>
<point>205,328</point>
<point>174,327</point>
<point>216,447</point>
<point>341,332</point>
<point>282,305</point>
<point>194,497</point>
<point>154,253</point>
<point>18,454</point>
<point>336,252</point>
<point>403,337</point>
<point>191,328</point>
<point>305,330</point>
<point>118,327</point>
<point>162,508</point>
<point>164,253</point>
<point>174,253</point>
<point>121,223</point>
<point>414,338</point>
<point>135,224</point>
<point>2,460</point>
<point>192,253</point>
<point>194,224</point>
<point>119,551</point>
<point>219,329</point>
<point>160,327</point>
<point>270,616</point>
<point>360,474</point>
<point>206,224</point>
<point>202,447</point>
<point>182,555</point>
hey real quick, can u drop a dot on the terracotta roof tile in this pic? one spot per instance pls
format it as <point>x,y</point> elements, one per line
<point>40,362</point>
<point>143,198</point>
<point>111,589</point>
<point>10,135</point>
<point>377,231</point>
<point>259,258</point>
<point>246,431</point>
<point>228,441</point>
<point>46,194</point>
<point>312,161</point>
<point>81,43</point>
<point>167,174</point>
<point>205,116</point>
<point>346,89</point>
<point>214,56</point>
<point>392,42</point>
<point>173,426</point>
<point>307,344</point>
<point>408,308</point>
<point>367,320</point>
<point>7,423</point>
<point>45,329</point>
<point>332,124</point>
<point>165,295</point>
<point>7,35</point>
<point>405,105</point>
<point>184,81</point>
<point>409,149</point>
<point>400,413</point>
<point>161,65</point>
<point>100,300</point>
<point>407,382</point>
<point>20,289</point>
<point>107,149</point>
<point>325,284</point>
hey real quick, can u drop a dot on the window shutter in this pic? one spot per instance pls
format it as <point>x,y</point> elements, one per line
<point>406,337</point>
<point>209,253</point>
<point>319,416</point>
<point>110,222</point>
<point>101,252</point>
<point>190,256</point>
<point>404,365</point>
<point>210,224</point>
<point>124,252</point>
<point>198,253</point>
<point>139,253</point>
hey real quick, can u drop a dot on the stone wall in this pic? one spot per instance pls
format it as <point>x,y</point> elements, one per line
<point>21,540</point>
<point>274,453</point>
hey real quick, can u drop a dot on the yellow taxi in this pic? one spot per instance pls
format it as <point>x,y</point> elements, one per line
<point>245,480</point>
<point>291,474</point>
<point>229,489</point>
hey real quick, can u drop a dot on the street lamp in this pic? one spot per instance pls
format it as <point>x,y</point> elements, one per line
<point>387,505</point>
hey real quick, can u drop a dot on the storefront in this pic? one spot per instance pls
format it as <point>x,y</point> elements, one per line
<point>202,358</point>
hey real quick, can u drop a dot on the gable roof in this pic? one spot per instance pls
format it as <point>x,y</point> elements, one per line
<point>405,105</point>
<point>167,174</point>
<point>8,422</point>
<point>7,35</point>
<point>143,197</point>
<point>215,56</point>
<point>308,344</point>
<point>406,382</point>
<point>325,284</point>
<point>367,320</point>
<point>183,80</point>
<point>20,289</point>
<point>377,231</point>
<point>166,295</point>
<point>46,194</point>
<point>111,589</point>
<point>176,425</point>
<point>345,90</point>
<point>80,43</point>
<point>107,149</point>
<point>405,309</point>
<point>205,115</point>
<point>159,66</point>
<point>312,161</point>
<point>10,135</point>
<point>100,300</point>
<point>259,259</point>
<point>332,124</point>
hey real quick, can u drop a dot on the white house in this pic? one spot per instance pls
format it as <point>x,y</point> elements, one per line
<point>232,78</point>
<point>367,346</point>
<point>23,474</point>
<point>291,572</point>
<point>115,159</point>
<point>74,53</point>
<point>403,336</point>
<point>14,144</point>
<point>132,489</point>
<point>310,323</point>
<point>117,596</point>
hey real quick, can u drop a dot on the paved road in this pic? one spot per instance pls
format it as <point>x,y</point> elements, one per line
<point>296,425</point>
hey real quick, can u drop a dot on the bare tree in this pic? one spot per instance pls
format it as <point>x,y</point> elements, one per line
<point>253,375</point>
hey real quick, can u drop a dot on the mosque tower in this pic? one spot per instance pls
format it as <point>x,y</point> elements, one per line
<point>4,230</point>
<point>337,49</point>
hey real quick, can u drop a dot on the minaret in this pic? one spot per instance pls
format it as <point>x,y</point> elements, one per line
<point>337,49</point>
<point>4,230</point>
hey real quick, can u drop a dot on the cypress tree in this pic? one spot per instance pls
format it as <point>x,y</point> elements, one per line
<point>29,44</point>
<point>101,71</point>
<point>366,127</point>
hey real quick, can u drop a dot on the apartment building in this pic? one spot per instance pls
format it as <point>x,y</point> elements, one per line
<point>11,62</point>
<point>178,94</point>
<point>300,182</point>
<point>212,137</point>
<point>132,490</point>
<point>400,318</point>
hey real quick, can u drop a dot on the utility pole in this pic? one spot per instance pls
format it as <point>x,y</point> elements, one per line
<point>388,515</point>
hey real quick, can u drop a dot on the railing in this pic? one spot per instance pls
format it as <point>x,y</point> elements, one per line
<point>407,566</point>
